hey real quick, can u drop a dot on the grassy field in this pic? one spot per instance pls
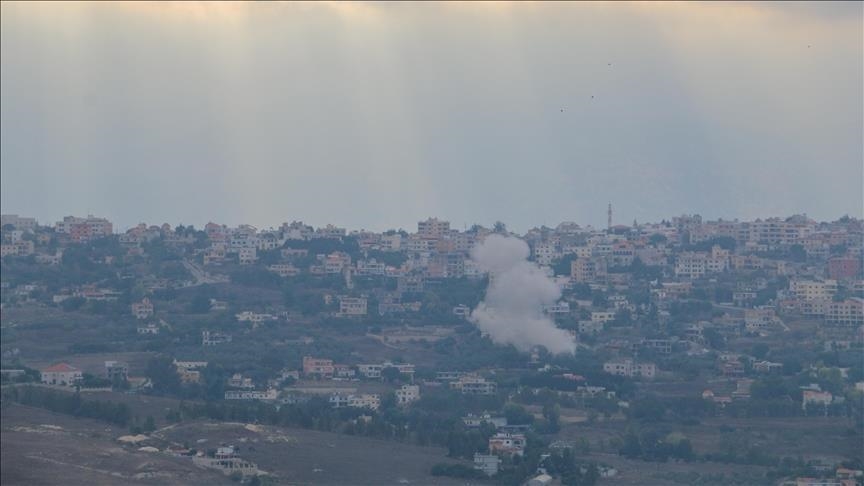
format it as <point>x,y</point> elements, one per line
<point>298,456</point>
<point>812,438</point>
<point>41,447</point>
<point>35,451</point>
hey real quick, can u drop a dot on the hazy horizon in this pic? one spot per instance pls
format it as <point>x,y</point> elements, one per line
<point>377,115</point>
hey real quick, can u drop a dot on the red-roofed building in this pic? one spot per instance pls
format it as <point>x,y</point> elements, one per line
<point>61,374</point>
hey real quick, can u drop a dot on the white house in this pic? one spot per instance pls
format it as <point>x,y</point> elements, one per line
<point>61,374</point>
<point>629,368</point>
<point>352,306</point>
<point>143,309</point>
<point>407,394</point>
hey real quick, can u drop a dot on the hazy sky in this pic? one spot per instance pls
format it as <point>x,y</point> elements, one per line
<point>377,115</point>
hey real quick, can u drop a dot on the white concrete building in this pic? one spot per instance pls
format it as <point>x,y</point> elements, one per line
<point>352,306</point>
<point>61,374</point>
<point>630,369</point>
<point>407,394</point>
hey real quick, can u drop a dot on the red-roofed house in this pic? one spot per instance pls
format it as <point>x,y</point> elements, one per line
<point>61,374</point>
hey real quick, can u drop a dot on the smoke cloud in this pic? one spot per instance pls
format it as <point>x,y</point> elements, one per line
<point>512,312</point>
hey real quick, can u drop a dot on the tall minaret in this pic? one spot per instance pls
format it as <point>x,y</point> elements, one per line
<point>609,217</point>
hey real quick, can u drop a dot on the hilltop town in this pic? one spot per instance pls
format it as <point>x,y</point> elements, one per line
<point>717,351</point>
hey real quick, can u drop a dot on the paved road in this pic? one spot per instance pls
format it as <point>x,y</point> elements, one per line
<point>201,277</point>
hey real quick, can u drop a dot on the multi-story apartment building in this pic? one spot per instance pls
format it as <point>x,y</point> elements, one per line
<point>317,367</point>
<point>410,283</point>
<point>474,385</point>
<point>813,289</point>
<point>507,444</point>
<point>588,270</point>
<point>433,228</point>
<point>143,309</point>
<point>774,231</point>
<point>760,319</point>
<point>61,374</point>
<point>844,268</point>
<point>545,253</point>
<point>81,230</point>
<point>629,368</point>
<point>352,306</point>
<point>407,394</point>
<point>19,222</point>
<point>846,313</point>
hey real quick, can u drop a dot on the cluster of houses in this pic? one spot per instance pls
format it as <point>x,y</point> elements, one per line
<point>65,375</point>
<point>507,441</point>
<point>826,286</point>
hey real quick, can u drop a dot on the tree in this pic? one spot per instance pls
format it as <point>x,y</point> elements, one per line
<point>163,375</point>
<point>391,374</point>
<point>517,415</point>
<point>657,238</point>
<point>561,266</point>
<point>149,424</point>
<point>552,414</point>
<point>200,304</point>
<point>648,409</point>
<point>797,253</point>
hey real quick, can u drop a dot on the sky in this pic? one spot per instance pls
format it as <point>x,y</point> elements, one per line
<point>377,115</point>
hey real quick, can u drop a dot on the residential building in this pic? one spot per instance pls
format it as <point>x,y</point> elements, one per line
<point>410,284</point>
<point>433,228</point>
<point>407,394</point>
<point>373,371</point>
<point>143,309</point>
<point>227,462</point>
<point>148,329</point>
<point>81,230</point>
<point>846,313</point>
<point>507,444</point>
<point>630,369</point>
<point>270,394</point>
<point>557,308</point>
<point>254,317</point>
<point>365,400</point>
<point>591,327</point>
<point>247,255</point>
<point>239,381</point>
<point>18,248</point>
<point>767,367</point>
<point>284,269</point>
<point>352,306</point>
<point>116,371</point>
<point>213,338</point>
<point>487,463</point>
<point>472,421</point>
<point>762,319</point>
<point>19,222</point>
<point>318,367</point>
<point>811,398</point>
<point>588,270</point>
<point>462,310</point>
<point>189,371</point>
<point>474,385</point>
<point>603,316</point>
<point>61,374</point>
<point>545,253</point>
<point>813,290</point>
<point>844,268</point>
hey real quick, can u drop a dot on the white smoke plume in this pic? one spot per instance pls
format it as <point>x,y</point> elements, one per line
<point>512,312</point>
